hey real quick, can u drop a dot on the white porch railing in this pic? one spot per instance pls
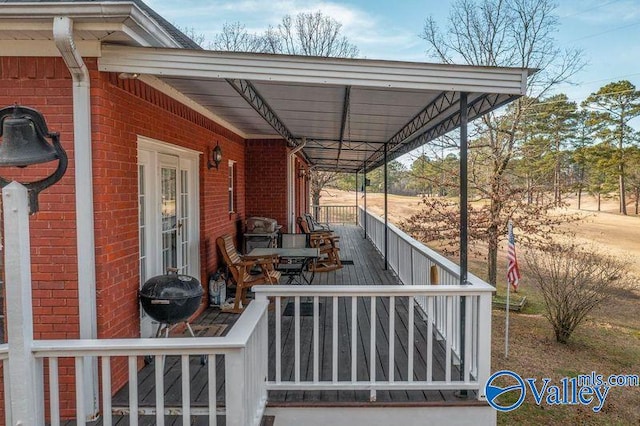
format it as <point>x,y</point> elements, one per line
<point>420,374</point>
<point>243,350</point>
<point>345,215</point>
<point>412,261</point>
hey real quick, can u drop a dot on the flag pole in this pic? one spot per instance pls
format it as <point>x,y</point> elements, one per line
<point>506,324</point>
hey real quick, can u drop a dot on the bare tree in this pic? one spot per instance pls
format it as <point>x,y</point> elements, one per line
<point>318,180</point>
<point>235,38</point>
<point>574,280</point>
<point>502,33</point>
<point>310,34</point>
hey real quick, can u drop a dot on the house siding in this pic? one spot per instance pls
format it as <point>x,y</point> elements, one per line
<point>121,111</point>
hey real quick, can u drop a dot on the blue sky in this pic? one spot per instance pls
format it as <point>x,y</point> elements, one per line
<point>608,31</point>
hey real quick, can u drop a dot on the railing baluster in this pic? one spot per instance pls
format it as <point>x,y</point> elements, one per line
<point>334,341</point>
<point>467,338</point>
<point>186,391</point>
<point>448,340</point>
<point>278,339</point>
<point>476,327</point>
<point>297,338</point>
<point>392,338</point>
<point>107,419</point>
<point>80,397</point>
<point>316,349</point>
<point>430,313</point>
<point>372,348</point>
<point>354,339</point>
<point>133,391</point>
<point>54,392</point>
<point>159,375</point>
<point>411,339</point>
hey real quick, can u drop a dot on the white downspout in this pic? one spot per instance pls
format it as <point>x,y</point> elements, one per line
<point>291,187</point>
<point>63,37</point>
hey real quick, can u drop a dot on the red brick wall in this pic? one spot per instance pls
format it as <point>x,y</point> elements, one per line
<point>266,178</point>
<point>121,110</point>
<point>45,84</point>
<point>124,110</point>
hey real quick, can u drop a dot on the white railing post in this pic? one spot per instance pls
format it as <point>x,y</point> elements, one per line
<point>484,343</point>
<point>235,388</point>
<point>25,405</point>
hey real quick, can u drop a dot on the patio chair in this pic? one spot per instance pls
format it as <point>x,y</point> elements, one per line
<point>241,267</point>
<point>327,243</point>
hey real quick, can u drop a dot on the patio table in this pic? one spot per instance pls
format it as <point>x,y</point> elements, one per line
<point>295,261</point>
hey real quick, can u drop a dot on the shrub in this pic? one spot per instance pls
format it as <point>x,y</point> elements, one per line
<point>573,280</point>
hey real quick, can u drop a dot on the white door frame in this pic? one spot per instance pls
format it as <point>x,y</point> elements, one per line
<point>152,154</point>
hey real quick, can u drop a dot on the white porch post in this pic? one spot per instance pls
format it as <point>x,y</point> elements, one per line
<point>484,343</point>
<point>236,390</point>
<point>25,402</point>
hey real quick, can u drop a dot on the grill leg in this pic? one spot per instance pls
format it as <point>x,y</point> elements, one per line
<point>190,329</point>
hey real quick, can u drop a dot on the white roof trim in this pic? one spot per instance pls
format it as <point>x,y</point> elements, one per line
<point>312,70</point>
<point>47,48</point>
<point>136,23</point>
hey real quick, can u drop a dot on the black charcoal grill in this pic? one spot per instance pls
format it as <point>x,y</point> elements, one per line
<point>171,299</point>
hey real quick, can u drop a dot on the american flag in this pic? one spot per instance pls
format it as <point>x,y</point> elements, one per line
<point>513,272</point>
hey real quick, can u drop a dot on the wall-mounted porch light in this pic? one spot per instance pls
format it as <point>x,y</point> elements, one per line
<point>216,157</point>
<point>302,173</point>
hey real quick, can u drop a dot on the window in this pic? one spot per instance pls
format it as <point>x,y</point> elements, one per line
<point>232,170</point>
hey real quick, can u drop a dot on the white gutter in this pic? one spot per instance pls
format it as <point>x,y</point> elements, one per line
<point>291,188</point>
<point>63,37</point>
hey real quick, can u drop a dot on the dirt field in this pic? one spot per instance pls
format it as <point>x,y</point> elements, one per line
<point>608,342</point>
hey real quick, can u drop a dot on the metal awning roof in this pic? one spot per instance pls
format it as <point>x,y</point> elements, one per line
<point>345,109</point>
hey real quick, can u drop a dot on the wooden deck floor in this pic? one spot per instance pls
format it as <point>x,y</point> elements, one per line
<point>367,269</point>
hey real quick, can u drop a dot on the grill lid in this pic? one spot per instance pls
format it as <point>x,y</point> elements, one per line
<point>261,225</point>
<point>171,287</point>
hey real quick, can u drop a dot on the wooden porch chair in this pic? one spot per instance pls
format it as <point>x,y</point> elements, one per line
<point>240,268</point>
<point>327,243</point>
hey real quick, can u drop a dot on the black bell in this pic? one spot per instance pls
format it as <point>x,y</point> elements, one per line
<point>24,135</point>
<point>23,143</point>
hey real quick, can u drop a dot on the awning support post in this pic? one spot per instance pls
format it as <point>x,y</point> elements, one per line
<point>464,218</point>
<point>356,198</point>
<point>386,211</point>
<point>364,185</point>
<point>464,206</point>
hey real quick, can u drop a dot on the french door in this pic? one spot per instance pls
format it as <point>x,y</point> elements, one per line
<point>168,214</point>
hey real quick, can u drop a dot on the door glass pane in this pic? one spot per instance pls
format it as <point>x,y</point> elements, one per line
<point>169,218</point>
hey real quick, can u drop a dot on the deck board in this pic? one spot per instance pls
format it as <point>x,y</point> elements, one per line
<point>368,269</point>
